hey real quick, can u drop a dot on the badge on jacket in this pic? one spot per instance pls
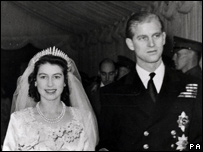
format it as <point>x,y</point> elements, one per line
<point>183,121</point>
<point>191,91</point>
<point>182,143</point>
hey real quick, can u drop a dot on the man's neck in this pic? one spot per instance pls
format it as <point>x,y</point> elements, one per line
<point>188,67</point>
<point>150,67</point>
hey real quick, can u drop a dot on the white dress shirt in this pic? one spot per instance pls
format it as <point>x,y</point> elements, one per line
<point>158,78</point>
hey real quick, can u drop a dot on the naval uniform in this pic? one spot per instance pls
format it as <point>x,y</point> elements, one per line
<point>130,121</point>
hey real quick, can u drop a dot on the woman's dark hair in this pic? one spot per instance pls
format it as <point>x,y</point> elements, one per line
<point>33,92</point>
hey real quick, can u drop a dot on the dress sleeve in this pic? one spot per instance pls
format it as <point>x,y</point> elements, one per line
<point>10,142</point>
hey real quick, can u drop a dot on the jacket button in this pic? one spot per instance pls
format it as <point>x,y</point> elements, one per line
<point>146,146</point>
<point>146,133</point>
<point>173,132</point>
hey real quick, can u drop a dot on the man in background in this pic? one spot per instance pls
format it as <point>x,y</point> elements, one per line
<point>187,54</point>
<point>107,71</point>
<point>106,74</point>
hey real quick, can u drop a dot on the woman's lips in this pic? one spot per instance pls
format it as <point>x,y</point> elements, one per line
<point>50,91</point>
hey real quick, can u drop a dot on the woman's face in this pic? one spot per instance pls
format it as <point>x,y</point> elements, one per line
<point>50,81</point>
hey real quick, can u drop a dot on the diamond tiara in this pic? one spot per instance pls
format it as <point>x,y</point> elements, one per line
<point>51,51</point>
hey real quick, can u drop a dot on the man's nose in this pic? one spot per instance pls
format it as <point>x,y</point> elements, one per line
<point>107,77</point>
<point>151,42</point>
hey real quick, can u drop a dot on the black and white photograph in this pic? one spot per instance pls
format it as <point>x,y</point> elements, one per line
<point>101,76</point>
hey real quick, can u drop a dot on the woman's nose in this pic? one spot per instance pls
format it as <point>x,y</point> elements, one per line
<point>50,82</point>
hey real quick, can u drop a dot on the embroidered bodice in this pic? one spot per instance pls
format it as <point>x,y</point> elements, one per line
<point>27,134</point>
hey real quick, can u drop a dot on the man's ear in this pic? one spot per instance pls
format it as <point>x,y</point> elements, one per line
<point>129,43</point>
<point>164,38</point>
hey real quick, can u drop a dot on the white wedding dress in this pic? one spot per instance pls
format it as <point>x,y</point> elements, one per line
<point>25,133</point>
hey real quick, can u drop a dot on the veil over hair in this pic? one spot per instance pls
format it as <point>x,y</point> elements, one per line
<point>78,97</point>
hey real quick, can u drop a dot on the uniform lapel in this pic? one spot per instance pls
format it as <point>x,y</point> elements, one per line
<point>142,100</point>
<point>168,94</point>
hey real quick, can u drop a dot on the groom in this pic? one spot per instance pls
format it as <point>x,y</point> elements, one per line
<point>154,107</point>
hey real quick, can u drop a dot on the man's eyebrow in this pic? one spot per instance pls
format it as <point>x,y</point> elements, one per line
<point>142,35</point>
<point>157,33</point>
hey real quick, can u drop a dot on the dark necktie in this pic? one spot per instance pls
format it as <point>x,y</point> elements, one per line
<point>151,87</point>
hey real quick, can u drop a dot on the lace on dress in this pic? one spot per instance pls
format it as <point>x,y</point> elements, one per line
<point>34,135</point>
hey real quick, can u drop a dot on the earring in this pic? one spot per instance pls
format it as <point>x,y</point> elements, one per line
<point>64,85</point>
<point>35,84</point>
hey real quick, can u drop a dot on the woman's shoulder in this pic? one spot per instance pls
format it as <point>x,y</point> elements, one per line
<point>78,113</point>
<point>23,115</point>
<point>22,111</point>
<point>74,110</point>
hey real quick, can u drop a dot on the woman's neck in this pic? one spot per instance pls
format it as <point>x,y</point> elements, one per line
<point>51,107</point>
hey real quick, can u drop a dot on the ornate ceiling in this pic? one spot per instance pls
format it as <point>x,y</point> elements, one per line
<point>82,16</point>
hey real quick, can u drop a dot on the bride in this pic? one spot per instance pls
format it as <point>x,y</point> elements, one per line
<point>52,111</point>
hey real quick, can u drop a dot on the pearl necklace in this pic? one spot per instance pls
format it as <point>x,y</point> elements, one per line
<point>55,120</point>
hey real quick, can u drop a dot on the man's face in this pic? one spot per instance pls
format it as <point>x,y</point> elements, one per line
<point>107,73</point>
<point>147,42</point>
<point>181,59</point>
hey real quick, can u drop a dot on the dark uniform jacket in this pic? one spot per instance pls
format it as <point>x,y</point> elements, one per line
<point>130,121</point>
<point>195,72</point>
<point>93,93</point>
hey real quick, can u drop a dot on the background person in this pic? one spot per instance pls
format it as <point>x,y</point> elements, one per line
<point>187,54</point>
<point>106,75</point>
<point>107,71</point>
